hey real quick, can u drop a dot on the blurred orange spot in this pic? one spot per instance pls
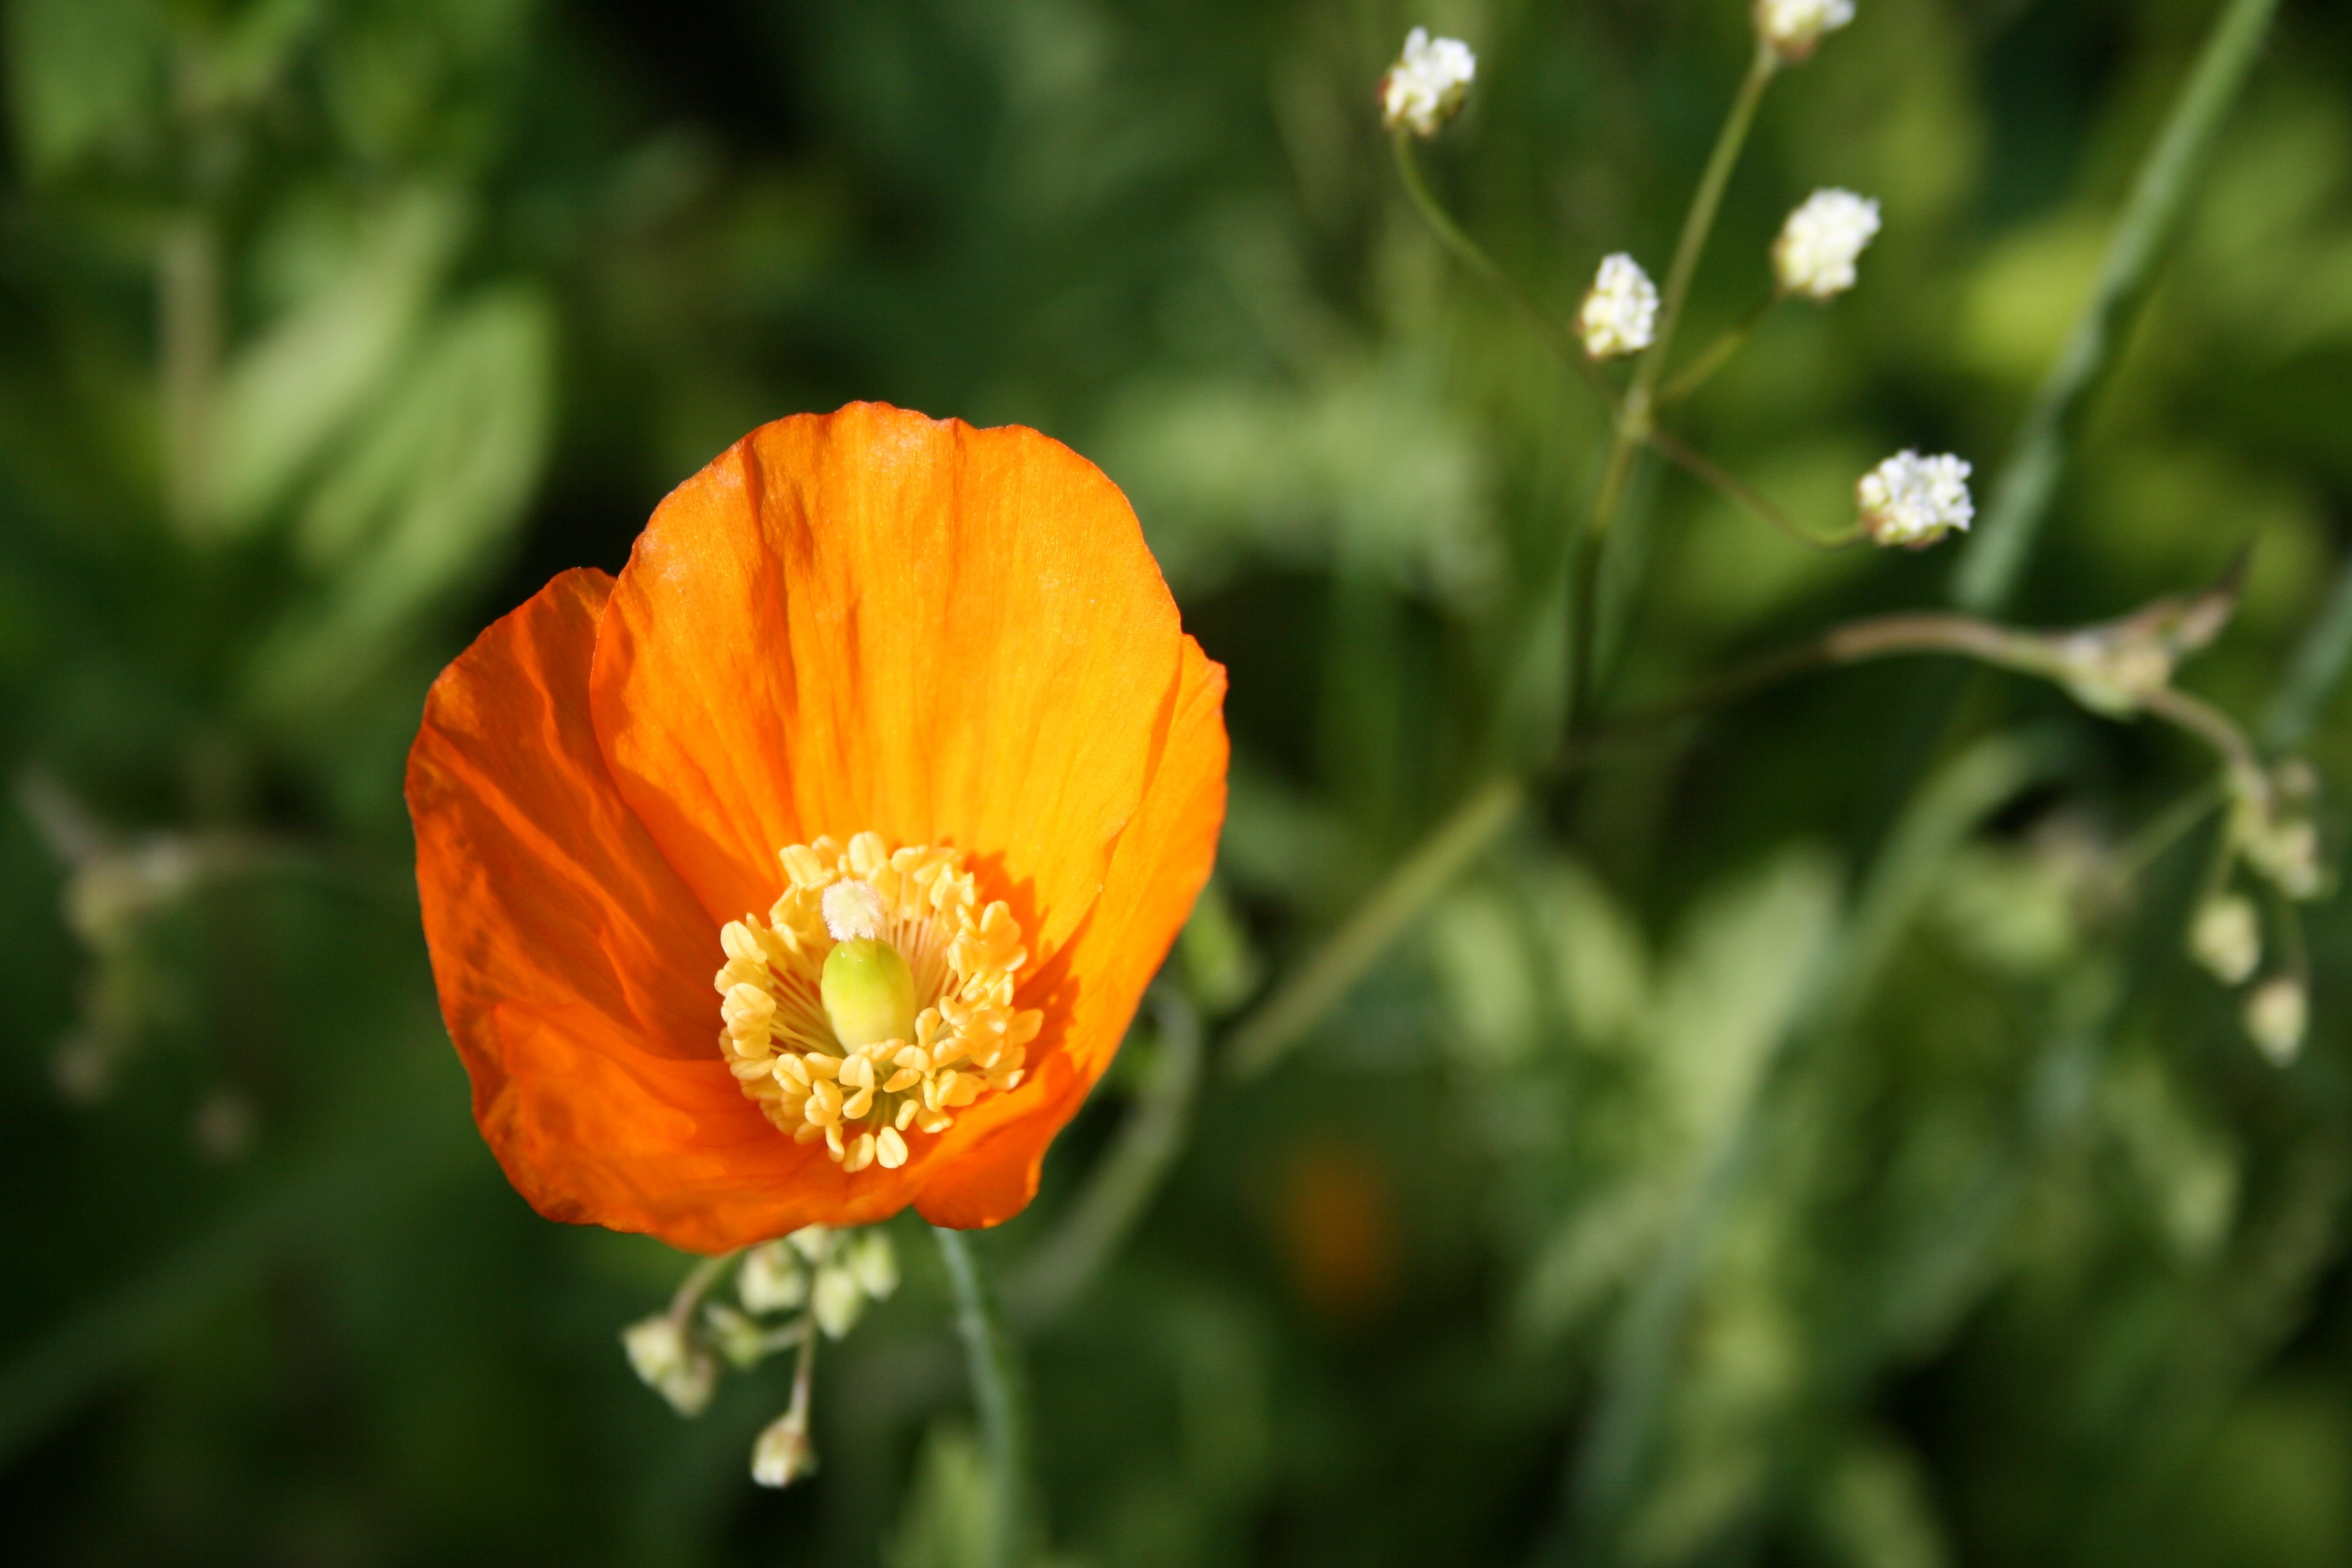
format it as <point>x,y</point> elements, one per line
<point>1339,1220</point>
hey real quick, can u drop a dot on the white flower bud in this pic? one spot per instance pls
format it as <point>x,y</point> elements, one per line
<point>772,1278</point>
<point>874,1265</point>
<point>1426,86</point>
<point>2276,1015</point>
<point>836,1301</point>
<point>783,1454</point>
<point>1791,27</point>
<point>1914,500</point>
<point>2227,938</point>
<point>2286,850</point>
<point>813,1242</point>
<point>1619,313</point>
<point>667,1362</point>
<point>739,1337</point>
<point>1815,254</point>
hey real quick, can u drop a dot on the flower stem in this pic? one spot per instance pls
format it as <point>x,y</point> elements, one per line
<point>1634,415</point>
<point>1990,570</point>
<point>1336,966</point>
<point>996,1393</point>
<point>1700,222</point>
<point>1474,255</point>
<point>1125,1179</point>
<point>696,1284</point>
<point>2311,677</point>
<point>1718,354</point>
<point>1345,955</point>
<point>1705,469</point>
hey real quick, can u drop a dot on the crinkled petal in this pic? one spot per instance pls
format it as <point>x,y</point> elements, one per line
<point>571,961</point>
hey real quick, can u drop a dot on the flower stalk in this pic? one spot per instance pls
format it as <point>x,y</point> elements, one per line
<point>997,1395</point>
<point>1471,254</point>
<point>1635,414</point>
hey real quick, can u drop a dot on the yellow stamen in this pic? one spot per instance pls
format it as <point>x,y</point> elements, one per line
<point>875,998</point>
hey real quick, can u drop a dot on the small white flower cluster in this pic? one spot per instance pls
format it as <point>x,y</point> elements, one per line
<point>1620,314</point>
<point>1791,27</point>
<point>1815,254</point>
<point>1913,500</point>
<point>2271,832</point>
<point>1426,86</point>
<point>833,1274</point>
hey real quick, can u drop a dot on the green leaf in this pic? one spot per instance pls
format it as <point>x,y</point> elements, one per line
<point>285,399</point>
<point>81,73</point>
<point>430,489</point>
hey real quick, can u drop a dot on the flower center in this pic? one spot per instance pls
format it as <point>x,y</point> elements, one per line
<point>875,1000</point>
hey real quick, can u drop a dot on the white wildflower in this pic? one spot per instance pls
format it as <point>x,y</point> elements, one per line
<point>2276,1015</point>
<point>1815,253</point>
<point>1914,501</point>
<point>1426,86</point>
<point>2227,938</point>
<point>1791,27</point>
<point>1619,313</point>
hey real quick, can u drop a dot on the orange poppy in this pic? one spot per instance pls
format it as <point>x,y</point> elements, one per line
<point>891,725</point>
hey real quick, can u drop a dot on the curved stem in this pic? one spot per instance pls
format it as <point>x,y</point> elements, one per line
<point>1704,469</point>
<point>2310,679</point>
<point>1125,1179</point>
<point>1474,255</point>
<point>697,1283</point>
<point>1634,415</point>
<point>996,1393</point>
<point>2030,477</point>
<point>1286,1016</point>
<point>1718,354</point>
<point>1700,220</point>
<point>2164,830</point>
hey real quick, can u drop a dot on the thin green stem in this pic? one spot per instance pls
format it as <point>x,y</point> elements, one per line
<point>1718,354</point>
<point>1700,222</point>
<point>996,1394</point>
<point>188,336</point>
<point>1311,991</point>
<point>2166,828</point>
<point>697,1283</point>
<point>1344,956</point>
<point>1634,415</point>
<point>1125,1178</point>
<point>1706,471</point>
<point>2310,679</point>
<point>1555,332</point>
<point>1988,571</point>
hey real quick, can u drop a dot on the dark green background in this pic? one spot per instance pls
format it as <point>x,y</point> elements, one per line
<point>2029,1259</point>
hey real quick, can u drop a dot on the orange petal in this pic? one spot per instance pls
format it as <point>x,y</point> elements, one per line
<point>572,964</point>
<point>986,1169</point>
<point>873,620</point>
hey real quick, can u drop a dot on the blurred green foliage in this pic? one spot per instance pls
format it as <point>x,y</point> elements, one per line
<point>1755,1159</point>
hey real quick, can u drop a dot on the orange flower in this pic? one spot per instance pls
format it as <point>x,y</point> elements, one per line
<point>889,722</point>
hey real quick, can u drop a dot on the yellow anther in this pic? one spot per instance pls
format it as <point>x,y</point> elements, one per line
<point>876,999</point>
